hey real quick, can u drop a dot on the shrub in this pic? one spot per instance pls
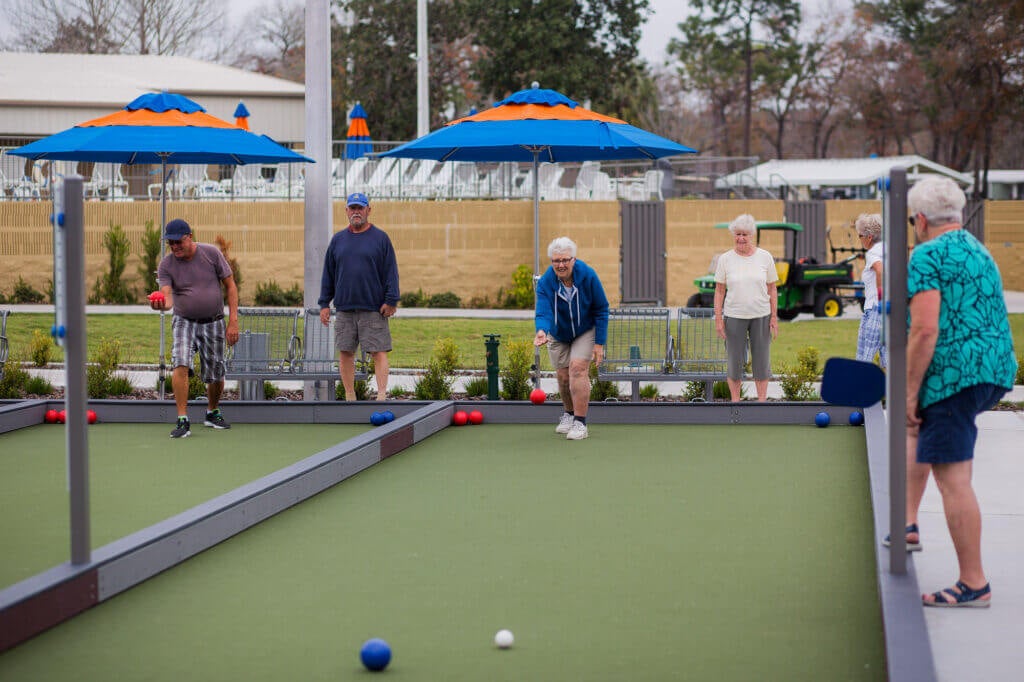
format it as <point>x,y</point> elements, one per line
<point>100,378</point>
<point>38,386</point>
<point>120,385</point>
<point>515,375</point>
<point>477,387</point>
<point>13,381</point>
<point>41,348</point>
<point>26,293</point>
<point>110,287</point>
<point>196,387</point>
<point>437,381</point>
<point>270,390</point>
<point>649,391</point>
<point>601,389</point>
<point>361,387</point>
<point>151,238</point>
<point>520,296</point>
<point>797,381</point>
<point>694,391</point>
<point>412,299</point>
<point>271,294</point>
<point>479,303</point>
<point>398,392</point>
<point>1020,371</point>
<point>445,300</point>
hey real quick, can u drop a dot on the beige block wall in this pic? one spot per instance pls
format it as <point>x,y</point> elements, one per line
<point>468,247</point>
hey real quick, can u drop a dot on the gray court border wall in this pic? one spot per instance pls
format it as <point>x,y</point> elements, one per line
<point>33,605</point>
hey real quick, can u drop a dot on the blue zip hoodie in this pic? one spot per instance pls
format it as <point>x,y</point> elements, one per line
<point>564,316</point>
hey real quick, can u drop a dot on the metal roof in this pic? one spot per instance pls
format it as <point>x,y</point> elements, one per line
<point>818,173</point>
<point>43,93</point>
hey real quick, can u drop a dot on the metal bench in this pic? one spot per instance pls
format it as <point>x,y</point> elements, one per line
<point>276,344</point>
<point>641,347</point>
<point>699,352</point>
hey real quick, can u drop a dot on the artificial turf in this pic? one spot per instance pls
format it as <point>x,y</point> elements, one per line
<point>642,553</point>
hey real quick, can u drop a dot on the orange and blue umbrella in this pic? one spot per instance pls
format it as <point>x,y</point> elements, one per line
<point>543,125</point>
<point>537,125</point>
<point>241,115</point>
<point>358,136</point>
<point>163,128</point>
<point>160,128</point>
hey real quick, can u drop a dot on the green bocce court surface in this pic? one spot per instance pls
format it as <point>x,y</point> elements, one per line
<point>138,476</point>
<point>647,552</point>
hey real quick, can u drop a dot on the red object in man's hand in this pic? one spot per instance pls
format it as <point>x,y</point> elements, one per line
<point>156,297</point>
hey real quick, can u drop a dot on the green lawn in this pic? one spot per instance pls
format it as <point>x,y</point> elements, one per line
<point>414,337</point>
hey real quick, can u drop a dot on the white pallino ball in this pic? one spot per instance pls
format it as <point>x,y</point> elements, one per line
<point>503,639</point>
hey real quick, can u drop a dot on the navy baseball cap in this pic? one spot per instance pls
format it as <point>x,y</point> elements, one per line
<point>176,229</point>
<point>357,199</point>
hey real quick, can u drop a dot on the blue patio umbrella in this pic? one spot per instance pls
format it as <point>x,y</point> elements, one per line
<point>160,128</point>
<point>537,125</point>
<point>358,136</point>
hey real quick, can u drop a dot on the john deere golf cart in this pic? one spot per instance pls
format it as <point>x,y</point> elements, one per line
<point>805,286</point>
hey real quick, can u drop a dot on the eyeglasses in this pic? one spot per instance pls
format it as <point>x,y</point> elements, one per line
<point>561,261</point>
<point>175,242</point>
<point>357,207</point>
<point>912,219</point>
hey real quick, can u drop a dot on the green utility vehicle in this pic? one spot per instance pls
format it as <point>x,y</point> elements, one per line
<point>805,286</point>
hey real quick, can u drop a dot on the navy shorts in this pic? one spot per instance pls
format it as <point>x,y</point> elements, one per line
<point>948,431</point>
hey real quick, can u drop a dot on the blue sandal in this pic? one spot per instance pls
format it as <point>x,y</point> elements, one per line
<point>911,546</point>
<point>966,597</point>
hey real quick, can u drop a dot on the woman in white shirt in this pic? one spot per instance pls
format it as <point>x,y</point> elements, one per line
<point>746,306</point>
<point>869,337</point>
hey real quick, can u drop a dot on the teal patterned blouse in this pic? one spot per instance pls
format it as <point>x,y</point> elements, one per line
<point>975,345</point>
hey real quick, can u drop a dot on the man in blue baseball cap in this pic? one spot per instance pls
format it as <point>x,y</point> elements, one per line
<point>361,278</point>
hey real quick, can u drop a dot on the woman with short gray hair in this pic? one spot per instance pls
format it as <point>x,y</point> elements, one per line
<point>869,336</point>
<point>571,318</point>
<point>746,307</point>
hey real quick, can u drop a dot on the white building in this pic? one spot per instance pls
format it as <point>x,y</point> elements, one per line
<point>42,94</point>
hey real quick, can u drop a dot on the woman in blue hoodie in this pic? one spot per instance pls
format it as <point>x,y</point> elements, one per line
<point>572,319</point>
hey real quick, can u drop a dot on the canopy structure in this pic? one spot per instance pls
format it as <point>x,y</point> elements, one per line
<point>537,125</point>
<point>160,128</point>
<point>826,173</point>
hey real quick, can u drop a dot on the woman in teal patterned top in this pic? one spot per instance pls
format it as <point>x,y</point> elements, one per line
<point>960,362</point>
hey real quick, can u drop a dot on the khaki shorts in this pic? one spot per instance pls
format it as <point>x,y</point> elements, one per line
<point>580,348</point>
<point>361,328</point>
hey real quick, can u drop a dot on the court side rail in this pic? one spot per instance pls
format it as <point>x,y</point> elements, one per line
<point>38,603</point>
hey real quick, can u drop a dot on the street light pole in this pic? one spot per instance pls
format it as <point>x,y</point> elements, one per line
<point>422,71</point>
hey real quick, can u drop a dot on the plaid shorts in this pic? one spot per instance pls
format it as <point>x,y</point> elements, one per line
<point>206,338</point>
<point>869,337</point>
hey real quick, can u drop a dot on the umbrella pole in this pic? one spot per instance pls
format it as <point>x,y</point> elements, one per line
<point>536,258</point>
<point>163,221</point>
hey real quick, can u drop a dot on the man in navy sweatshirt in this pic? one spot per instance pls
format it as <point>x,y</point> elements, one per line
<point>361,278</point>
<point>572,319</point>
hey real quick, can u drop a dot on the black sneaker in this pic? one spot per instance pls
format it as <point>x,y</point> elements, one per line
<point>182,429</point>
<point>216,420</point>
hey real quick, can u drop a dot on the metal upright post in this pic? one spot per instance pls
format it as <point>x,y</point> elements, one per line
<point>895,274</point>
<point>75,395</point>
<point>319,216</point>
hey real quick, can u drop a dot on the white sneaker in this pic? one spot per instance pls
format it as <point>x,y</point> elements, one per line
<point>564,423</point>
<point>578,431</point>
